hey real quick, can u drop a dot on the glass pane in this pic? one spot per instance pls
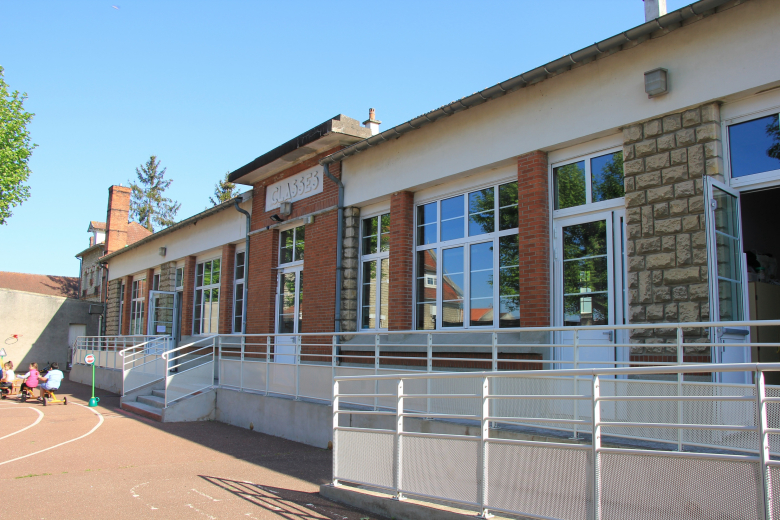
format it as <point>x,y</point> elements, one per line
<point>586,310</point>
<point>426,214</point>
<point>369,245</point>
<point>481,212</point>
<point>426,276</point>
<point>237,324</point>
<point>214,311</point>
<point>286,246</point>
<point>581,240</point>
<point>426,234</point>
<point>198,277</point>
<point>482,256</point>
<point>288,294</point>
<point>370,235</point>
<point>384,293</point>
<point>287,324</point>
<point>509,312</point>
<point>508,251</point>
<point>481,311</point>
<point>452,313</point>
<point>754,146</point>
<point>385,223</point>
<point>179,277</point>
<point>300,236</point>
<point>426,316</point>
<point>581,276</point>
<point>369,283</point>
<point>452,229</point>
<point>384,239</point>
<point>507,201</point>
<point>215,268</point>
<point>453,287</point>
<point>569,183</point>
<point>369,317</point>
<point>508,281</point>
<point>607,177</point>
<point>728,261</point>
<point>239,266</point>
<point>730,300</point>
<point>300,302</point>
<point>452,218</point>
<point>481,283</point>
<point>370,226</point>
<point>207,273</point>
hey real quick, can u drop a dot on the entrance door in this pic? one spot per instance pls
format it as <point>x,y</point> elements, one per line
<point>589,286</point>
<point>163,319</point>
<point>288,312</point>
<point>727,288</point>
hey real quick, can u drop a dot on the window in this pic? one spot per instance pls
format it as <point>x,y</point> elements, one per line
<point>179,278</point>
<point>590,180</point>
<point>375,272</point>
<point>156,282</point>
<point>121,308</point>
<point>238,292</point>
<point>291,245</point>
<point>137,300</point>
<point>754,146</point>
<point>207,298</point>
<point>467,263</point>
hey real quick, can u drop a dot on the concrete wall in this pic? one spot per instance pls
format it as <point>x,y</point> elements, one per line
<point>41,323</point>
<point>105,378</point>
<point>720,57</point>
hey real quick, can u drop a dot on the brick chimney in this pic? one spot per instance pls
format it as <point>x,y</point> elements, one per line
<point>654,9</point>
<point>371,123</point>
<point>116,219</point>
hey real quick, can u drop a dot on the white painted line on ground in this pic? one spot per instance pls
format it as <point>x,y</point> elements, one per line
<point>100,422</point>
<point>40,417</point>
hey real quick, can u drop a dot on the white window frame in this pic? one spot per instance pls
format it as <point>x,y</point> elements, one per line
<point>464,242</point>
<point>121,307</point>
<point>757,180</point>
<point>200,330</point>
<point>295,261</point>
<point>137,306</point>
<point>236,282</point>
<point>376,257</point>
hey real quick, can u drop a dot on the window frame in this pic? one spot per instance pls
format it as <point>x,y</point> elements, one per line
<point>199,331</point>
<point>236,282</point>
<point>295,261</point>
<point>137,327</point>
<point>466,242</point>
<point>121,307</point>
<point>376,256</point>
<point>756,180</point>
<point>587,207</point>
<point>176,276</point>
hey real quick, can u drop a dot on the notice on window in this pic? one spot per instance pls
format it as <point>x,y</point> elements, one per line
<point>297,187</point>
<point>161,328</point>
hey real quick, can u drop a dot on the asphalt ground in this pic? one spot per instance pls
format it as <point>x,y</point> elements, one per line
<point>61,462</point>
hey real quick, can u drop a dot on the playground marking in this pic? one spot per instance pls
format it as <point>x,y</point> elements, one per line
<point>40,418</point>
<point>100,422</point>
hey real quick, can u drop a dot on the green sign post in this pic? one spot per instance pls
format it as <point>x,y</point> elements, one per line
<point>90,360</point>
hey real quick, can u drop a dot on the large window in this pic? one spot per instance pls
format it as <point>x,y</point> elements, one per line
<point>238,291</point>
<point>754,147</point>
<point>587,181</point>
<point>375,272</point>
<point>291,245</point>
<point>207,297</point>
<point>121,308</point>
<point>467,264</point>
<point>137,301</point>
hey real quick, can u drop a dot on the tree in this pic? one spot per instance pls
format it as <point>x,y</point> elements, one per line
<point>148,206</point>
<point>15,150</point>
<point>224,190</point>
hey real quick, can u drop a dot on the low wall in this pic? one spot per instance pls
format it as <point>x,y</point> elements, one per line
<point>105,378</point>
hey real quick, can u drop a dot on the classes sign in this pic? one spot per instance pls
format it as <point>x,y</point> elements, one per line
<point>296,187</point>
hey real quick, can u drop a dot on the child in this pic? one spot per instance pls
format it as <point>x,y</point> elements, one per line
<point>30,379</point>
<point>52,379</point>
<point>7,382</point>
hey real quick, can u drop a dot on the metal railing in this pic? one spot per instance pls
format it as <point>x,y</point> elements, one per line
<point>105,349</point>
<point>143,363</point>
<point>189,369</point>
<point>601,476</point>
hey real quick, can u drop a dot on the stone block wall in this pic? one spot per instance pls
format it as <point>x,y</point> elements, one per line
<point>112,307</point>
<point>350,259</point>
<point>168,276</point>
<point>666,160</point>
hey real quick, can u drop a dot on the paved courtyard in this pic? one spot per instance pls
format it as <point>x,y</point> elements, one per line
<point>61,462</point>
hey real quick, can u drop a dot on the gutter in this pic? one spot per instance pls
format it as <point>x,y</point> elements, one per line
<point>237,201</point>
<point>339,244</point>
<point>613,44</point>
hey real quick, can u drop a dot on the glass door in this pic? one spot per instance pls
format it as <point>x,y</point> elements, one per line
<point>288,312</point>
<point>727,275</point>
<point>589,273</point>
<point>163,315</point>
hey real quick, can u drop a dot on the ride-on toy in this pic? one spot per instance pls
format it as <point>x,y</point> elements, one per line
<point>49,397</point>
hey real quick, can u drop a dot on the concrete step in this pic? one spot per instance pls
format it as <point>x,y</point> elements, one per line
<point>159,393</point>
<point>151,400</point>
<point>144,410</point>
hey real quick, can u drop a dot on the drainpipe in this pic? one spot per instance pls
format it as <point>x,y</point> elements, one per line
<point>339,244</point>
<point>104,297</point>
<point>246,261</point>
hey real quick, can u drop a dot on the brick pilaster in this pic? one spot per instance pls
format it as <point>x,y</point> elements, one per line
<point>401,306</point>
<point>188,296</point>
<point>534,239</point>
<point>226,276</point>
<point>261,276</point>
<point>147,299</point>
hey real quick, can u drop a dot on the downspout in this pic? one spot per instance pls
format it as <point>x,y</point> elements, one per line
<point>104,297</point>
<point>246,262</point>
<point>339,244</point>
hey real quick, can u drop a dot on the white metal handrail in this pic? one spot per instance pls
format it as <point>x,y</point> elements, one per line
<point>363,458</point>
<point>181,383</point>
<point>152,348</point>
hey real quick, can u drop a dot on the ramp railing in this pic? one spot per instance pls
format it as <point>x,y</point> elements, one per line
<point>728,467</point>
<point>142,363</point>
<point>189,369</point>
<point>106,349</point>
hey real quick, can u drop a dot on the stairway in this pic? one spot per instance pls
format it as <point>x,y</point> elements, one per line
<point>149,406</point>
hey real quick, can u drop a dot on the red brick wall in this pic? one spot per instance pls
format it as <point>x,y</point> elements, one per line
<point>116,218</point>
<point>188,295</point>
<point>128,297</point>
<point>401,311</point>
<point>534,238</point>
<point>319,280</point>
<point>147,300</point>
<point>227,269</point>
<point>261,276</point>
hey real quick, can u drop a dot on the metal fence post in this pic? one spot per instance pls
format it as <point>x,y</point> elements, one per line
<point>335,430</point>
<point>333,363</point>
<point>494,363</point>
<point>679,388</point>
<point>483,485</point>
<point>399,428</point>
<point>297,367</point>
<point>267,363</point>
<point>766,476</point>
<point>376,371</point>
<point>576,356</point>
<point>429,369</point>
<point>596,446</point>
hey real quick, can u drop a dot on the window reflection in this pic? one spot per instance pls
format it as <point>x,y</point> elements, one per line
<point>754,146</point>
<point>585,283</point>
<point>607,177</point>
<point>569,181</point>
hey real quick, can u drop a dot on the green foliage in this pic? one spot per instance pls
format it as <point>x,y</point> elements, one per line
<point>773,131</point>
<point>15,150</point>
<point>224,190</point>
<point>148,206</point>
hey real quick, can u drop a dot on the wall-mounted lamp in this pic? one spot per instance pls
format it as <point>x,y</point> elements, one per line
<point>163,251</point>
<point>285,209</point>
<point>656,82</point>
<point>276,218</point>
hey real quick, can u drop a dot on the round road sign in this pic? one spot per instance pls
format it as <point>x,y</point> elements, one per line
<point>90,359</point>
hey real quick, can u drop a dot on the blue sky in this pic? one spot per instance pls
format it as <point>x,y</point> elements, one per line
<point>209,86</point>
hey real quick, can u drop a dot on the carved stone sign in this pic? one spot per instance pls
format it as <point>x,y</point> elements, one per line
<point>296,187</point>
